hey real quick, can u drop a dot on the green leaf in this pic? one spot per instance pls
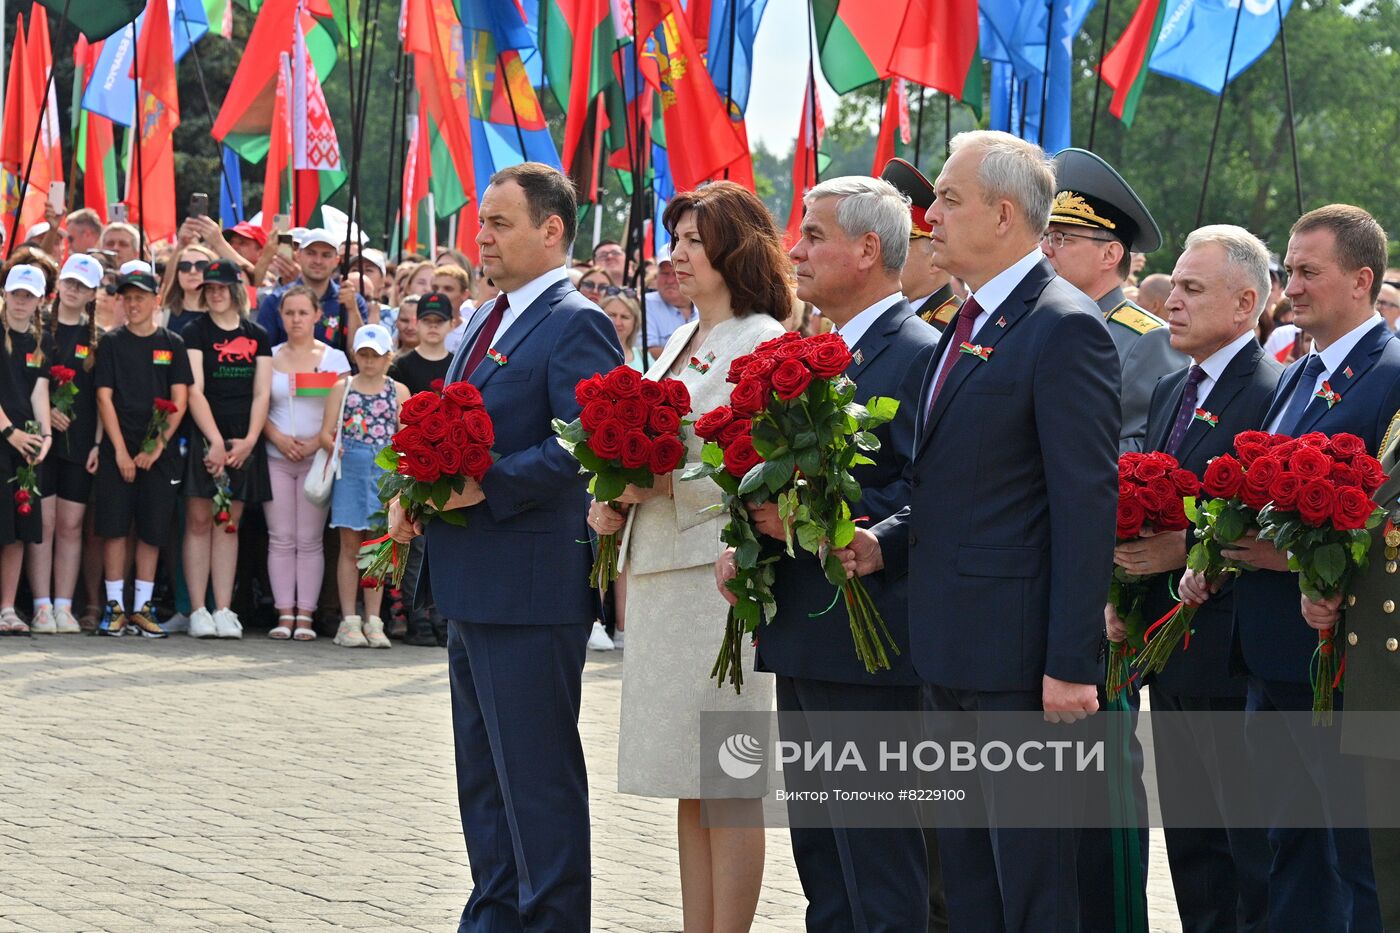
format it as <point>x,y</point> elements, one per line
<point>387,459</point>
<point>880,410</point>
<point>1230,526</point>
<point>1329,562</point>
<point>752,480</point>
<point>607,486</point>
<point>843,533</point>
<point>712,454</point>
<point>865,440</point>
<point>809,461</point>
<point>778,473</point>
<point>746,554</point>
<point>804,440</point>
<point>1189,504</point>
<point>809,536</point>
<point>588,460</point>
<point>454,517</point>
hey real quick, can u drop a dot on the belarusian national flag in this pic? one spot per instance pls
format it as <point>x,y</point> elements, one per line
<point>578,40</point>
<point>92,136</point>
<point>315,149</point>
<point>807,158</point>
<point>895,122</point>
<point>1124,68</point>
<point>936,45</point>
<point>157,118</point>
<point>856,40</point>
<point>313,385</point>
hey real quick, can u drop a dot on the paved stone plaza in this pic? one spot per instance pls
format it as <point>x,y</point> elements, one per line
<point>260,785</point>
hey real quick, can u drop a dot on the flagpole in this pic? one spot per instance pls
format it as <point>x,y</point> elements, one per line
<point>354,134</point>
<point>1045,71</point>
<point>1288,99</point>
<point>208,108</point>
<point>369,33</point>
<point>1098,80</point>
<point>510,99</point>
<point>636,223</point>
<point>1219,111</point>
<point>918,130</point>
<point>136,127</point>
<point>812,91</point>
<point>947,124</point>
<point>729,85</point>
<point>394,122</point>
<point>38,131</point>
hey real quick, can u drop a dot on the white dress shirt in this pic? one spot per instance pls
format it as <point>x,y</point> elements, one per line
<point>1215,364</point>
<point>1332,359</point>
<point>855,328</point>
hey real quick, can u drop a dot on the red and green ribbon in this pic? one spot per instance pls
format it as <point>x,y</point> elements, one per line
<point>977,350</point>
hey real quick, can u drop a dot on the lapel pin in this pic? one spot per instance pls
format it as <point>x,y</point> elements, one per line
<point>497,357</point>
<point>1001,321</point>
<point>859,357</point>
<point>977,350</point>
<point>1347,372</point>
<point>701,366</point>
<point>1203,415</point>
<point>1328,394</point>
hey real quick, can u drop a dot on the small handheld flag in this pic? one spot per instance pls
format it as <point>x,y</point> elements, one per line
<point>313,385</point>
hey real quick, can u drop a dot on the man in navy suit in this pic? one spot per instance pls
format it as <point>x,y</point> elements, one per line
<point>1219,288</point>
<point>1320,878</point>
<point>1008,537</point>
<point>854,879</point>
<point>513,583</point>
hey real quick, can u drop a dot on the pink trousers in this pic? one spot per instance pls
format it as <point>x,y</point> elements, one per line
<point>295,560</point>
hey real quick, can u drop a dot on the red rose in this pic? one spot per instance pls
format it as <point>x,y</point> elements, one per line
<point>734,430</point>
<point>667,454</point>
<point>664,421</point>
<point>476,461</point>
<point>770,347</point>
<point>631,412</point>
<point>713,421</point>
<point>1148,498</point>
<point>1172,517</point>
<point>1185,482</point>
<point>829,358</point>
<point>636,450</point>
<point>1314,439</point>
<point>1280,440</point>
<point>1352,510</point>
<point>740,457</point>
<point>1163,487</point>
<point>1130,518</point>
<point>1372,475</point>
<point>678,396</point>
<point>1346,447</point>
<point>595,413</point>
<point>1165,459</point>
<point>1257,489</point>
<point>623,382</point>
<point>651,393</point>
<point>1285,448</point>
<point>418,407</point>
<point>449,459</point>
<point>479,428</point>
<point>166,405</point>
<point>748,397</point>
<point>1315,502</point>
<point>1223,478</point>
<point>1254,437</point>
<point>1248,453</point>
<point>1265,470</point>
<point>407,439</point>
<point>1148,470</point>
<point>421,465</point>
<point>737,367</point>
<point>1284,491</point>
<point>791,378</point>
<point>761,368</point>
<point>1345,475</point>
<point>606,442</point>
<point>1310,462</point>
<point>589,390</point>
<point>464,395</point>
<point>435,385</point>
<point>792,350</point>
<point>434,427</point>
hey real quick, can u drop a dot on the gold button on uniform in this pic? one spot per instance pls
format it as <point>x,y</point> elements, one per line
<point>1391,553</point>
<point>1351,600</point>
<point>1391,566</point>
<point>1388,606</point>
<point>1391,644</point>
<point>1351,638</point>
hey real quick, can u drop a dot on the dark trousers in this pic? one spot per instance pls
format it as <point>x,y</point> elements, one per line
<point>1003,879</point>
<point>1221,876</point>
<point>857,880</point>
<point>1382,781</point>
<point>1319,879</point>
<point>1099,872</point>
<point>521,781</point>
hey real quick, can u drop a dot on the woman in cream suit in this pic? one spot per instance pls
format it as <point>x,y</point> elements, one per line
<point>730,261</point>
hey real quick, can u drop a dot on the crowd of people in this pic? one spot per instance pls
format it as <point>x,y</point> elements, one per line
<point>214,378</point>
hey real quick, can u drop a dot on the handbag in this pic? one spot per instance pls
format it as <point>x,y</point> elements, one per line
<point>325,465</point>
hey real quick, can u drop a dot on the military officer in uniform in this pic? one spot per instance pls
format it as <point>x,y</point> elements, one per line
<point>927,287</point>
<point>1096,223</point>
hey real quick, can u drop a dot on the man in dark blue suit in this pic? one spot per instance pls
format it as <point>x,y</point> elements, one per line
<point>1219,288</point>
<point>1008,537</point>
<point>1321,878</point>
<point>854,878</point>
<point>513,582</point>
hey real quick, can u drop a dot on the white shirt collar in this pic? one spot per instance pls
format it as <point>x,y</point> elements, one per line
<point>855,328</point>
<point>525,295</point>
<point>999,288</point>
<point>1215,364</point>
<point>1340,349</point>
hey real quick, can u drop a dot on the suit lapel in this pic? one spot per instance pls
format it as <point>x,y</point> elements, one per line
<point>1361,358</point>
<point>673,349</point>
<point>1284,392</point>
<point>1162,430</point>
<point>520,328</point>
<point>877,337</point>
<point>1232,381</point>
<point>1000,322</point>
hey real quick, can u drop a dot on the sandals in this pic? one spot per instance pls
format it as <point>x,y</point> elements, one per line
<point>12,624</point>
<point>282,632</point>
<point>303,632</point>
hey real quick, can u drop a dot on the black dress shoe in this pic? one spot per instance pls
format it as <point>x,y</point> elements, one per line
<point>439,627</point>
<point>420,633</point>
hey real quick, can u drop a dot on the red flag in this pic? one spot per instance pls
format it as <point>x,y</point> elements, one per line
<point>582,19</point>
<point>11,147</point>
<point>1124,68</point>
<point>433,34</point>
<point>279,149</point>
<point>41,64</point>
<point>804,162</point>
<point>97,136</point>
<point>895,120</point>
<point>248,106</point>
<point>936,43</point>
<point>417,165</point>
<point>159,115</point>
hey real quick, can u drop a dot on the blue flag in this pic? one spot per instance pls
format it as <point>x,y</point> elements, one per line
<point>231,189</point>
<point>111,92</point>
<point>1194,43</point>
<point>1014,33</point>
<point>730,55</point>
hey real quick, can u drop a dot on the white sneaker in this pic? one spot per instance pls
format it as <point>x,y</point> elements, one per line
<point>42,622</point>
<point>176,624</point>
<point>374,633</point>
<point>226,624</point>
<point>351,633</point>
<point>202,624</point>
<point>599,640</point>
<point>617,640</point>
<point>66,624</point>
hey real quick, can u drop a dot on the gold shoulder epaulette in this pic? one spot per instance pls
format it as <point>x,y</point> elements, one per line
<point>1390,434</point>
<point>1135,318</point>
<point>944,312</point>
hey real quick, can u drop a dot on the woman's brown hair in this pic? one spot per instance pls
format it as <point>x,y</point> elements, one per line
<point>742,243</point>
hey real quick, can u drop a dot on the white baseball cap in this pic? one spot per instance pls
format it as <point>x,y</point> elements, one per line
<point>83,268</point>
<point>38,230</point>
<point>663,255</point>
<point>375,258</point>
<point>26,278</point>
<point>376,337</point>
<point>135,265</point>
<point>319,235</point>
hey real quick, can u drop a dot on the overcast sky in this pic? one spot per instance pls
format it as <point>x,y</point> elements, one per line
<point>780,69</point>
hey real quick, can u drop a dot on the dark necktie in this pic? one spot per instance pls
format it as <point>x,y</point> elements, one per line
<point>486,335</point>
<point>1302,394</point>
<point>1186,411</point>
<point>962,333</point>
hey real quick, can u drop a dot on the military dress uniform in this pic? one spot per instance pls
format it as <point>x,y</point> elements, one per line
<point>1093,195</point>
<point>942,306</point>
<point>939,308</point>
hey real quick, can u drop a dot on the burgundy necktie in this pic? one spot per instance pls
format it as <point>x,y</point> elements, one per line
<point>486,335</point>
<point>962,333</point>
<point>1186,410</point>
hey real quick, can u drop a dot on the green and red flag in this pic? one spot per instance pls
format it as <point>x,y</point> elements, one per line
<point>856,40</point>
<point>894,127</point>
<point>316,162</point>
<point>808,159</point>
<point>936,46</point>
<point>578,40</point>
<point>313,385</point>
<point>157,117</point>
<point>92,134</point>
<point>1124,68</point>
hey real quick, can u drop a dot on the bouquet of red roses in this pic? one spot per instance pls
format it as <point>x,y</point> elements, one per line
<point>1323,526</point>
<point>791,433</point>
<point>1232,493</point>
<point>160,420</point>
<point>26,478</point>
<point>1151,489</point>
<point>446,438</point>
<point>628,432</point>
<point>62,392</point>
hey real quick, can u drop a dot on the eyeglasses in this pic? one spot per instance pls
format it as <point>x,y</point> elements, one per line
<point>593,288</point>
<point>1388,305</point>
<point>609,254</point>
<point>612,291</point>
<point>187,266</point>
<point>1058,238</point>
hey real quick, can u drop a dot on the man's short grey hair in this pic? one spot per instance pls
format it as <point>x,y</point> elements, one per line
<point>1246,254</point>
<point>1013,169</point>
<point>870,205</point>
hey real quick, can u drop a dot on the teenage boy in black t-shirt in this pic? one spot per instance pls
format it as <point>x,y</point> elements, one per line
<point>136,365</point>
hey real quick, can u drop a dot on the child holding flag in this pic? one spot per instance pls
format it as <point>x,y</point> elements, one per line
<point>303,372</point>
